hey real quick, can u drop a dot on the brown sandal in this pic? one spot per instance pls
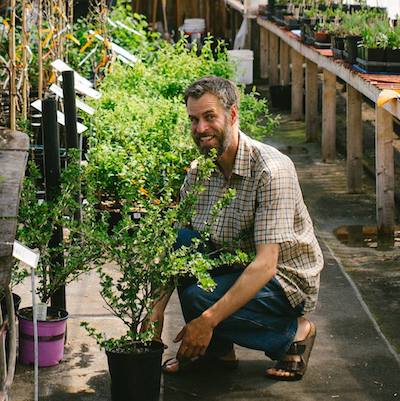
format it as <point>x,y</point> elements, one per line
<point>297,369</point>
<point>200,363</point>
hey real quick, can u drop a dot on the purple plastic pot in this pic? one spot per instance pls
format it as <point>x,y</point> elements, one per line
<point>51,335</point>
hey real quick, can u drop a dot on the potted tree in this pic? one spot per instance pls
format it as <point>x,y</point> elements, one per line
<point>78,250</point>
<point>148,266</point>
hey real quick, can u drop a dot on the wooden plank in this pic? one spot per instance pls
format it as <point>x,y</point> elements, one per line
<point>284,64</point>
<point>264,60</point>
<point>312,131</point>
<point>328,140</point>
<point>7,232</point>
<point>354,141</point>
<point>13,140</point>
<point>273,72</point>
<point>384,164</point>
<point>297,85</point>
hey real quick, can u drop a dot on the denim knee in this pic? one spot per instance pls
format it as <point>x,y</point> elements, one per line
<point>194,300</point>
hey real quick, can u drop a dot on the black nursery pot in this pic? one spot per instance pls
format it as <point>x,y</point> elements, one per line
<point>350,45</point>
<point>136,376</point>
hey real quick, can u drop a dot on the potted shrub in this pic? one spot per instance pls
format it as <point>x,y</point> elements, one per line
<point>148,266</point>
<point>38,222</point>
<point>393,50</point>
<point>374,41</point>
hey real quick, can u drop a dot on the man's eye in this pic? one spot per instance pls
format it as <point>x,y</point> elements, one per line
<point>210,117</point>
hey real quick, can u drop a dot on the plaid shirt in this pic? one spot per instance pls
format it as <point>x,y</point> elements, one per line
<point>268,209</point>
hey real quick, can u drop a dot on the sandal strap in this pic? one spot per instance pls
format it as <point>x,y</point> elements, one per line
<point>296,348</point>
<point>290,366</point>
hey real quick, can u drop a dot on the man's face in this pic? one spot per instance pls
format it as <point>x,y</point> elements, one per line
<point>211,125</point>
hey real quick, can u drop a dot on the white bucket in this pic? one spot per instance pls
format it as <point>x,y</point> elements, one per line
<point>243,60</point>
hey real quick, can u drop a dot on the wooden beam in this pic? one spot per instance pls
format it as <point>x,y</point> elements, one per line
<point>264,53</point>
<point>328,140</point>
<point>384,165</point>
<point>284,64</point>
<point>354,140</point>
<point>273,72</point>
<point>312,131</point>
<point>297,85</point>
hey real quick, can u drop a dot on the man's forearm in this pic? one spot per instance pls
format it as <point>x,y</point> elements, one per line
<point>253,278</point>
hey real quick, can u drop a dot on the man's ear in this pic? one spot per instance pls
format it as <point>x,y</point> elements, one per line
<point>234,113</point>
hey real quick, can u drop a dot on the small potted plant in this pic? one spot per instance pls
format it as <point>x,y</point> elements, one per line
<point>58,264</point>
<point>148,266</point>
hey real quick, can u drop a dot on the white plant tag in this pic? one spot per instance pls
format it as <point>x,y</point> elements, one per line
<point>41,312</point>
<point>25,254</point>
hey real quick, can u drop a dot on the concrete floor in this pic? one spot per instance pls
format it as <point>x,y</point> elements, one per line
<point>352,359</point>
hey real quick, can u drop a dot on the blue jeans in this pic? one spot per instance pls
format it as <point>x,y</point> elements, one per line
<point>267,323</point>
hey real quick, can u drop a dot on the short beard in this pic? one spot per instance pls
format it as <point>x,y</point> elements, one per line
<point>226,141</point>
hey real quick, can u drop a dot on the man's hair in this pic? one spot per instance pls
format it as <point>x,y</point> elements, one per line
<point>224,89</point>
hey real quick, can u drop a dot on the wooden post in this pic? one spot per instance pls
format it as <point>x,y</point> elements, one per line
<point>354,139</point>
<point>311,102</point>
<point>25,86</point>
<point>297,85</point>
<point>40,50</point>
<point>264,53</point>
<point>328,140</point>
<point>13,69</point>
<point>385,208</point>
<point>284,63</point>
<point>273,72</point>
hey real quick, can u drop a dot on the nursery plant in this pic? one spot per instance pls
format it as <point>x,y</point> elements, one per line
<point>59,264</point>
<point>148,265</point>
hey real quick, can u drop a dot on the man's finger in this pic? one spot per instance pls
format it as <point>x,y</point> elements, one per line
<point>179,336</point>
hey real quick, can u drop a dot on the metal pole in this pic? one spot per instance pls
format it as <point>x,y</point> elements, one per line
<point>70,122</point>
<point>51,142</point>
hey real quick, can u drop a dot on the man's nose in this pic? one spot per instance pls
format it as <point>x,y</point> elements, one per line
<point>201,126</point>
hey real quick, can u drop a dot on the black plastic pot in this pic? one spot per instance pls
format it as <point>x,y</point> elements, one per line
<point>350,45</point>
<point>369,54</point>
<point>136,376</point>
<point>393,55</point>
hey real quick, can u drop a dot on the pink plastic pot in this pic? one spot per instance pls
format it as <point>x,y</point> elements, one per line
<point>51,335</point>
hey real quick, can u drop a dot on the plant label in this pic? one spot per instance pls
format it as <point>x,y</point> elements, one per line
<point>25,254</point>
<point>41,312</point>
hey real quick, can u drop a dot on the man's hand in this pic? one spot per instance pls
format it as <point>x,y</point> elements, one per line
<point>158,319</point>
<point>195,337</point>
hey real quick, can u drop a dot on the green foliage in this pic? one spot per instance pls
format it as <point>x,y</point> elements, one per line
<point>38,221</point>
<point>149,264</point>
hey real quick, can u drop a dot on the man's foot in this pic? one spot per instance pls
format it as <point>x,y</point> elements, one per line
<point>294,364</point>
<point>228,361</point>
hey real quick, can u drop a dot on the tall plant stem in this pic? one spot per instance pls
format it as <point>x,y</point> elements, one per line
<point>25,85</point>
<point>13,69</point>
<point>40,49</point>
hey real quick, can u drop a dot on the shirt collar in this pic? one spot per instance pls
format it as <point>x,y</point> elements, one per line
<point>242,165</point>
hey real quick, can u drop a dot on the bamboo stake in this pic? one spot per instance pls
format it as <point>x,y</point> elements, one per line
<point>40,50</point>
<point>25,87</point>
<point>11,50</point>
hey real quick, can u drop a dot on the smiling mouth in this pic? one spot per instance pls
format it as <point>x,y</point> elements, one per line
<point>206,138</point>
